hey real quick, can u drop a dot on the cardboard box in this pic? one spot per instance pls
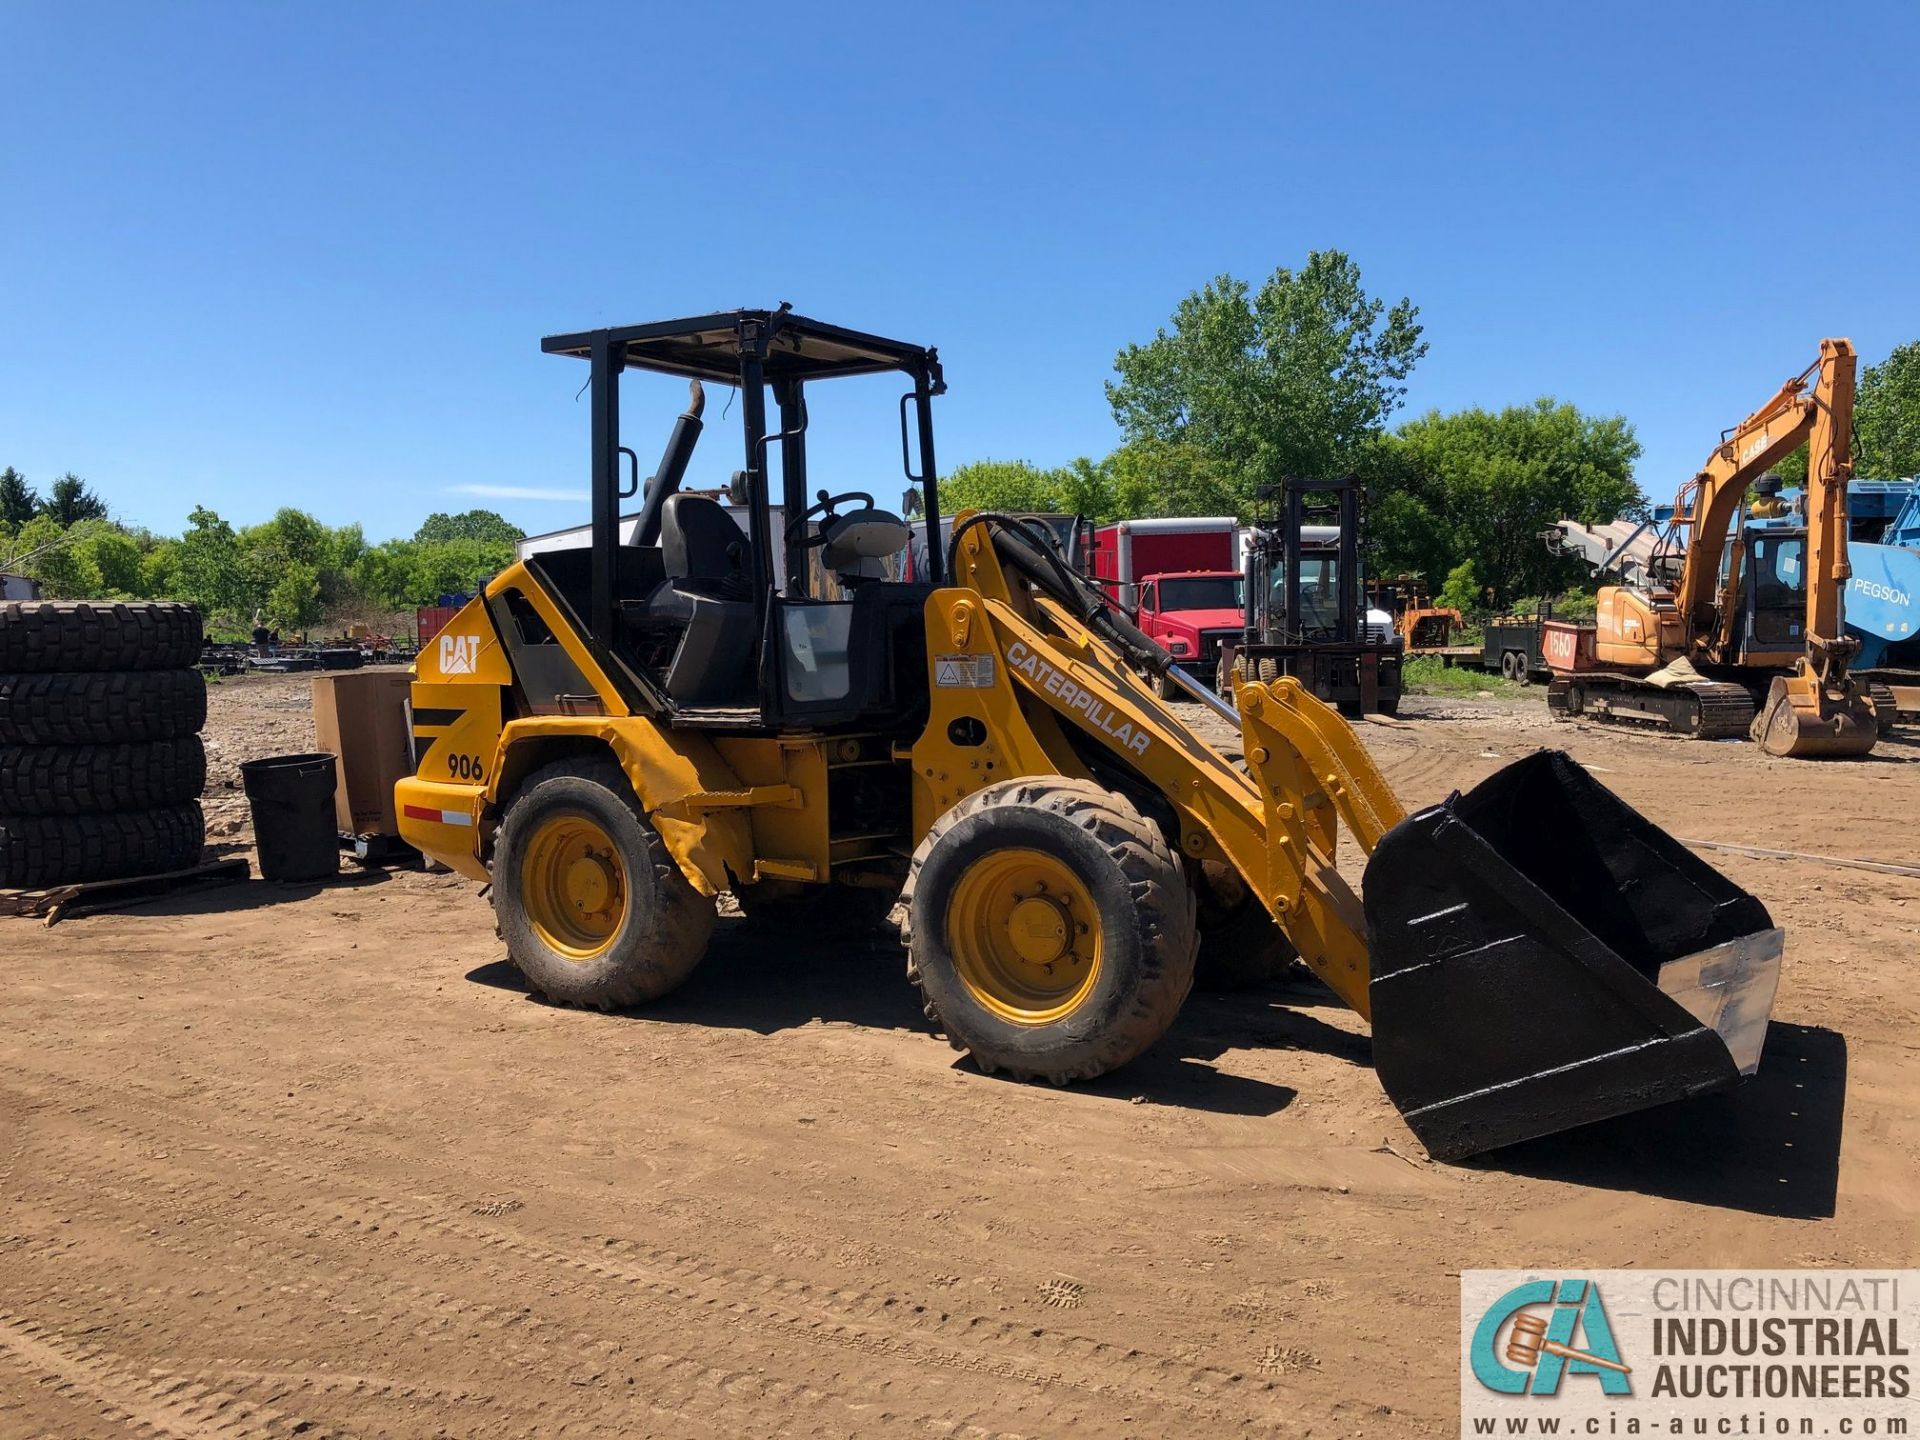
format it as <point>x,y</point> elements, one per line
<point>362,718</point>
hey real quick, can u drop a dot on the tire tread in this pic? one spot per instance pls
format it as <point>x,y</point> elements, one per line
<point>43,850</point>
<point>95,779</point>
<point>102,707</point>
<point>46,636</point>
<point>683,920</point>
<point>1163,901</point>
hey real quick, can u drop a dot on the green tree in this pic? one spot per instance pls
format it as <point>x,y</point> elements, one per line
<point>1291,379</point>
<point>1462,590</point>
<point>292,535</point>
<point>382,574</point>
<point>1149,477</point>
<point>70,501</point>
<point>158,570</point>
<point>207,565</point>
<point>1887,416</point>
<point>18,502</point>
<point>482,525</point>
<point>45,549</point>
<point>455,567</point>
<point>1484,484</point>
<point>1085,486</point>
<point>293,600</point>
<point>1012,485</point>
<point>111,554</point>
<point>1886,422</point>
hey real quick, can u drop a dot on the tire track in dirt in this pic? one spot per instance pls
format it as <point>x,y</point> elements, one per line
<point>393,1316</point>
<point>876,1322</point>
<point>699,1398</point>
<point>169,1406</point>
<point>145,1188</point>
<point>516,1334</point>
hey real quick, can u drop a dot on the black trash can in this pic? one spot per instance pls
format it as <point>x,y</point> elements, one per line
<point>291,797</point>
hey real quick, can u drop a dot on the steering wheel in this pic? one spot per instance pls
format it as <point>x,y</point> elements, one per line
<point>823,507</point>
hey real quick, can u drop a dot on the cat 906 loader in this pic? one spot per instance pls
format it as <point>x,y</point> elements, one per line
<point>616,734</point>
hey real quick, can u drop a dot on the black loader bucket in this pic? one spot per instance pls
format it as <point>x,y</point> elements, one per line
<point>1545,956</point>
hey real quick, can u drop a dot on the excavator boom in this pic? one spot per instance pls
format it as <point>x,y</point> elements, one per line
<point>1818,709</point>
<point>1684,648</point>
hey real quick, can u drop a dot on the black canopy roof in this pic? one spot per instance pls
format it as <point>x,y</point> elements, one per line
<point>708,347</point>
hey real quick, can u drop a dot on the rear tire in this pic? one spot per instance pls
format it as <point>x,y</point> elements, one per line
<point>1030,864</point>
<point>43,850</point>
<point>103,708</point>
<point>594,910</point>
<point>47,635</point>
<point>93,779</point>
<point>1164,687</point>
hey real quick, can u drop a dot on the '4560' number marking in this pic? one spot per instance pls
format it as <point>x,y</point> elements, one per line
<point>466,767</point>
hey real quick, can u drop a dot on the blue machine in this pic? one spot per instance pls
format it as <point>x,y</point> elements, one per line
<point>1883,597</point>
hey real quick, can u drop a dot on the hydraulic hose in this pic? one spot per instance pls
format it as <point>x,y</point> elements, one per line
<point>1023,547</point>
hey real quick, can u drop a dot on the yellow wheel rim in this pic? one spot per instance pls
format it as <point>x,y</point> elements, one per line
<point>1024,935</point>
<point>573,884</point>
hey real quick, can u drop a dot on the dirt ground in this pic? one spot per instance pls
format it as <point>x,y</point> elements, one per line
<point>309,1160</point>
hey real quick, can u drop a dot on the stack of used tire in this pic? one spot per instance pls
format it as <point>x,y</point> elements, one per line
<point>101,765</point>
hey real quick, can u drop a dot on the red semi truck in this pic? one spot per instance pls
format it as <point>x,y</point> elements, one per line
<point>1181,578</point>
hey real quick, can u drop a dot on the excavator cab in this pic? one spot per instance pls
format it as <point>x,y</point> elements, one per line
<point>1774,596</point>
<point>711,699</point>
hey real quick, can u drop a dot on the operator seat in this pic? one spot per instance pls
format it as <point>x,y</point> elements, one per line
<point>704,555</point>
<point>703,551</point>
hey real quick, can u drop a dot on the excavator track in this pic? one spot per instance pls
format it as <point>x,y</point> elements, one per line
<point>1700,710</point>
<point>1726,711</point>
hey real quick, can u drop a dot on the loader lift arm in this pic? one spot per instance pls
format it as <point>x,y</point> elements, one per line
<point>1537,897</point>
<point>1275,822</point>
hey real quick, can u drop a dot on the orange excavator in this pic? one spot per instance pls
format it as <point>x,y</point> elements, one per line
<point>1731,619</point>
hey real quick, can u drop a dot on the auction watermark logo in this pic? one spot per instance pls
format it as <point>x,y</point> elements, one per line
<point>1689,1352</point>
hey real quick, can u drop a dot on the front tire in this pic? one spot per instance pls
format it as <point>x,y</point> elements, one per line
<point>1050,929</point>
<point>594,910</point>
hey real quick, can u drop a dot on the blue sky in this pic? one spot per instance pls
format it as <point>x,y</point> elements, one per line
<point>259,255</point>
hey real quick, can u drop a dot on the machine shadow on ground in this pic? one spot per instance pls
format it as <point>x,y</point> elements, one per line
<point>235,896</point>
<point>767,982</point>
<point>1771,1147</point>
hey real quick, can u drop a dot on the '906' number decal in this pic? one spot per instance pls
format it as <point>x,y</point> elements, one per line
<point>466,767</point>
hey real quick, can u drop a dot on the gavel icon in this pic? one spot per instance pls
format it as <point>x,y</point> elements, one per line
<point>1528,1342</point>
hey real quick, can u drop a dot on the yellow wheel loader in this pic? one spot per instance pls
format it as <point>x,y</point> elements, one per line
<point>711,699</point>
